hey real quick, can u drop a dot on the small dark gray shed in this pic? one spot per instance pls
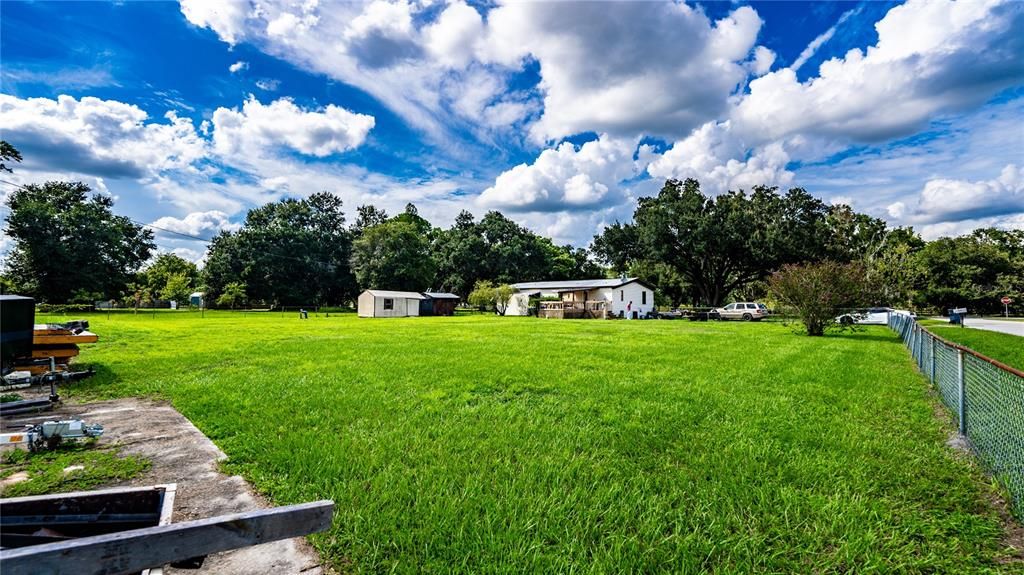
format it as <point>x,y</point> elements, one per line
<point>439,303</point>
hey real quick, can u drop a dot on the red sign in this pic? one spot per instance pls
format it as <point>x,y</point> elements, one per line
<point>1006,300</point>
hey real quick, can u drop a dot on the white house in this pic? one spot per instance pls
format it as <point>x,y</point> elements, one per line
<point>618,297</point>
<point>382,303</point>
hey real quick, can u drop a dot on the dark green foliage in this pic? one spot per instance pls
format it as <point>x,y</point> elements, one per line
<point>717,245</point>
<point>367,217</point>
<point>166,266</point>
<point>461,256</point>
<point>234,294</point>
<point>973,271</point>
<point>291,252</point>
<point>499,250</point>
<point>67,242</point>
<point>702,250</point>
<point>394,255</point>
<point>8,153</point>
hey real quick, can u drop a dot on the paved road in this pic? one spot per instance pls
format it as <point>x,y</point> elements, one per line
<point>1010,327</point>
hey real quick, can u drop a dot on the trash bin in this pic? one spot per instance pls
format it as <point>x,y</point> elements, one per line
<point>955,319</point>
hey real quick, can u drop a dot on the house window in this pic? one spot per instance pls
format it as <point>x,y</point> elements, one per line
<point>643,298</point>
<point>389,303</point>
<point>622,295</point>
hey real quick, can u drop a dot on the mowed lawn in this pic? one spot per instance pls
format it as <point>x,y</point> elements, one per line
<point>482,444</point>
<point>1003,347</point>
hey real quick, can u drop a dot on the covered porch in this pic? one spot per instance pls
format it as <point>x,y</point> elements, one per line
<point>592,309</point>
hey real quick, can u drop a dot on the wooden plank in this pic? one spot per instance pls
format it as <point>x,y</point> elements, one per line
<point>81,337</point>
<point>138,549</point>
<point>58,352</point>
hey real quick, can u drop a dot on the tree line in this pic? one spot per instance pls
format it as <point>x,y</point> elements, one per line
<point>69,246</point>
<point>703,250</point>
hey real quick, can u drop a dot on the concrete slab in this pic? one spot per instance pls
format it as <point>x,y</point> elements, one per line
<point>182,454</point>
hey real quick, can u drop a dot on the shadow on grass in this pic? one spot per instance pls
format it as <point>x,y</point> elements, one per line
<point>864,336</point>
<point>104,377</point>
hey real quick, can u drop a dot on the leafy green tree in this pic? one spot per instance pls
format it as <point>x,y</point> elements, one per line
<point>291,252</point>
<point>66,240</point>
<point>226,263</point>
<point>853,236</point>
<point>412,217</point>
<point>502,295</point>
<point>8,153</point>
<point>499,250</point>
<point>893,268</point>
<point>178,288</point>
<point>619,246</point>
<point>393,255</point>
<point>969,271</point>
<point>717,245</point>
<point>486,295</point>
<point>819,292</point>
<point>234,294</point>
<point>368,216</point>
<point>482,295</point>
<point>136,294</point>
<point>167,265</point>
<point>461,255</point>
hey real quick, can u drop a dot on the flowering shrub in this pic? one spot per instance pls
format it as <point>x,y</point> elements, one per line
<point>818,292</point>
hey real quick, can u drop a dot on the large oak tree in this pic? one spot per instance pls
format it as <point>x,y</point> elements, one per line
<point>69,245</point>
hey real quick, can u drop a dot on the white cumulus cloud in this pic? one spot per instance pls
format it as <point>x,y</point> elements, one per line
<point>257,127</point>
<point>944,200</point>
<point>238,66</point>
<point>567,178</point>
<point>710,155</point>
<point>931,57</point>
<point>201,224</point>
<point>626,68</point>
<point>98,137</point>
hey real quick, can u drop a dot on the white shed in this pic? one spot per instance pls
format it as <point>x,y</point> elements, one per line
<point>383,303</point>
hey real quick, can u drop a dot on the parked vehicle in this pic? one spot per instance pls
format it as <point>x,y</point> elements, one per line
<point>746,311</point>
<point>871,316</point>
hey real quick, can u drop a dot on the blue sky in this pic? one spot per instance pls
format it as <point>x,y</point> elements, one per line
<point>559,114</point>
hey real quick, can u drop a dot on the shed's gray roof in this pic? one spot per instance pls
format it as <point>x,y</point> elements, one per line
<point>574,284</point>
<point>440,295</point>
<point>386,293</point>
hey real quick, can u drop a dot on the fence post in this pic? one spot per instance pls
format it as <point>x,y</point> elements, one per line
<point>915,344</point>
<point>962,391</point>
<point>921,336</point>
<point>933,358</point>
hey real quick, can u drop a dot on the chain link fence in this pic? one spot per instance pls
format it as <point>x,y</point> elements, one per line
<point>985,396</point>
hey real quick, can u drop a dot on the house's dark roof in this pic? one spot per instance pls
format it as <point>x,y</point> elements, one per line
<point>571,285</point>
<point>440,295</point>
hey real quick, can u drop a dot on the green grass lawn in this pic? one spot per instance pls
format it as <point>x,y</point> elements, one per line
<point>1003,347</point>
<point>481,444</point>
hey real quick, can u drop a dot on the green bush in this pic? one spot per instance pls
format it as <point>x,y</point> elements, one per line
<point>64,307</point>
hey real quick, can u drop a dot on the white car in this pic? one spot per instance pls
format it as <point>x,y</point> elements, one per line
<point>747,311</point>
<point>872,316</point>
